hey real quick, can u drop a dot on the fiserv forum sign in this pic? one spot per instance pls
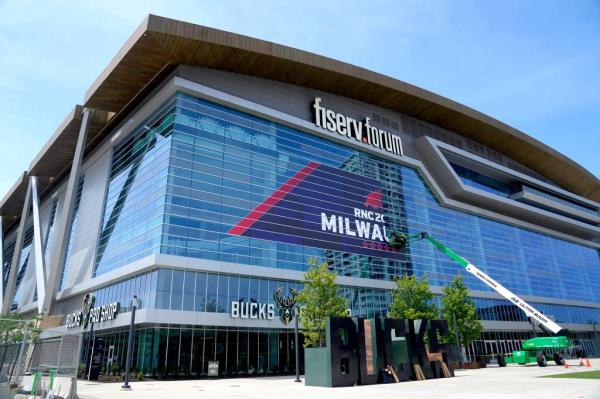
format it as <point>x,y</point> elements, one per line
<point>361,131</point>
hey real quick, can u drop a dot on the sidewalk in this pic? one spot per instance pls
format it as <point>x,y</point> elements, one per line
<point>493,382</point>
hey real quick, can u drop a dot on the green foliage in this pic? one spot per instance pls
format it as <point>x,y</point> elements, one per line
<point>412,299</point>
<point>317,301</point>
<point>455,300</point>
<point>12,327</point>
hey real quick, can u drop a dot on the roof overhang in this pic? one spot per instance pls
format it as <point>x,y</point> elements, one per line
<point>12,202</point>
<point>53,161</point>
<point>160,44</point>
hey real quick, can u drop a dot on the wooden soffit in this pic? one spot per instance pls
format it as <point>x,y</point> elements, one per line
<point>160,42</point>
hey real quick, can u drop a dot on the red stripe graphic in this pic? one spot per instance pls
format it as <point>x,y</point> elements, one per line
<point>270,202</point>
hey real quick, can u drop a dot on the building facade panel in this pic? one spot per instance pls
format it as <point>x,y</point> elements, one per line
<point>217,187</point>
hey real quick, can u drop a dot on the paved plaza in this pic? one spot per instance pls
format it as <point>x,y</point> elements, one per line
<point>511,382</point>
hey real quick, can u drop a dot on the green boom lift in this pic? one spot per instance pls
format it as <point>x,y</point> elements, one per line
<point>539,349</point>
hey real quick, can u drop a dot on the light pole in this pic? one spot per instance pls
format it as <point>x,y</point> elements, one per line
<point>296,347</point>
<point>88,348</point>
<point>135,303</point>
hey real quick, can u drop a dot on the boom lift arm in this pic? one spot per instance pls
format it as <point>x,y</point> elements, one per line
<point>400,241</point>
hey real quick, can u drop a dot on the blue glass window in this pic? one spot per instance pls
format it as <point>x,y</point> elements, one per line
<point>218,164</point>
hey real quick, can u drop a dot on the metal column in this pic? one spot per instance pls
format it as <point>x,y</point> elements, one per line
<point>40,269</point>
<point>14,265</point>
<point>62,228</point>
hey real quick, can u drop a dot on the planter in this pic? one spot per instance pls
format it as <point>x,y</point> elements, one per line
<point>317,367</point>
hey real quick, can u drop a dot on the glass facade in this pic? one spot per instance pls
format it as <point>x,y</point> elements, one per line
<point>50,235</point>
<point>72,232</point>
<point>561,201</point>
<point>25,253</point>
<point>174,289</point>
<point>184,351</point>
<point>7,253</point>
<point>501,310</point>
<point>192,171</point>
<point>166,352</point>
<point>224,163</point>
<point>135,197</point>
<point>488,184</point>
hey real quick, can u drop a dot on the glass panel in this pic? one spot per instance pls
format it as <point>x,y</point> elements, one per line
<point>200,301</point>
<point>188,290</point>
<point>253,353</point>
<point>232,352</point>
<point>177,290</point>
<point>221,351</point>
<point>209,348</point>
<point>185,353</point>
<point>243,352</point>
<point>172,368</point>
<point>223,299</point>
<point>197,352</point>
<point>211,290</point>
<point>163,293</point>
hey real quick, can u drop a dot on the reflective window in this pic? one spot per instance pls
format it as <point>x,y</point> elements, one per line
<point>181,181</point>
<point>167,289</point>
<point>135,198</point>
<point>22,266</point>
<point>225,163</point>
<point>483,182</point>
<point>71,233</point>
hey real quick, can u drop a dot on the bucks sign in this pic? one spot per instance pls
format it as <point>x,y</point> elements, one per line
<point>369,351</point>
<point>324,207</point>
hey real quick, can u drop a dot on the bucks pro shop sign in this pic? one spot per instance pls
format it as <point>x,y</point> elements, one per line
<point>90,314</point>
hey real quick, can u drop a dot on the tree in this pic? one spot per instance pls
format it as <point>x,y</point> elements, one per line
<point>319,300</point>
<point>455,300</point>
<point>12,326</point>
<point>412,299</point>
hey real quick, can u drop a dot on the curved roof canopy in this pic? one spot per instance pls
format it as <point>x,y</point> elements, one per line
<point>161,41</point>
<point>160,44</point>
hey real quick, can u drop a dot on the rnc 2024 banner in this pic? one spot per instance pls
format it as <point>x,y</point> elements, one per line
<point>324,207</point>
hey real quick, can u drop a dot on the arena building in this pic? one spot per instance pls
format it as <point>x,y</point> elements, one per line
<point>204,168</point>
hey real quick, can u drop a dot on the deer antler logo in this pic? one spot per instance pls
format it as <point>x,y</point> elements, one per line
<point>88,304</point>
<point>285,304</point>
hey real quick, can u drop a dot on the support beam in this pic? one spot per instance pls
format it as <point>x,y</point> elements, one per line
<point>16,258</point>
<point>56,265</point>
<point>38,245</point>
<point>1,258</point>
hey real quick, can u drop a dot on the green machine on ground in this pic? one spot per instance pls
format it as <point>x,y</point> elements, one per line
<point>539,349</point>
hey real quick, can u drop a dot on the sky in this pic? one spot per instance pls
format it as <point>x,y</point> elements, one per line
<point>534,65</point>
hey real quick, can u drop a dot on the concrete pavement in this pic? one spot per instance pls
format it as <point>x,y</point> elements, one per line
<point>493,382</point>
